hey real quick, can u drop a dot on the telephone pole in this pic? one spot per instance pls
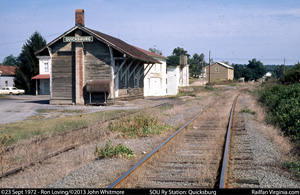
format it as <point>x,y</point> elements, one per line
<point>283,65</point>
<point>209,67</point>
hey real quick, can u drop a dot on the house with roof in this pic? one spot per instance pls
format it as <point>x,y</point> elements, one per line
<point>88,66</point>
<point>7,75</point>
<point>43,78</point>
<point>219,71</point>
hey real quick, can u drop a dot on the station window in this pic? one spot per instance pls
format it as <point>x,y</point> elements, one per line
<point>217,69</point>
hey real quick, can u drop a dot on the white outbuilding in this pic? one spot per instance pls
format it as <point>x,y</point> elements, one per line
<point>155,81</point>
<point>177,76</point>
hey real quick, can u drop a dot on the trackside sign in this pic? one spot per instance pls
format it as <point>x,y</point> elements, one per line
<point>79,39</point>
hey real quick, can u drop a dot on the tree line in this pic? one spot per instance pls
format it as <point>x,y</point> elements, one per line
<point>253,71</point>
<point>27,64</point>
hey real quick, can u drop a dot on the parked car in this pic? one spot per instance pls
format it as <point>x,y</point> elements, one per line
<point>11,91</point>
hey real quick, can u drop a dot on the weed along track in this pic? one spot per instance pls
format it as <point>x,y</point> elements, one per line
<point>68,140</point>
<point>190,158</point>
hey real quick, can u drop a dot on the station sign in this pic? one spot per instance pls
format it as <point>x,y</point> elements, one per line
<point>79,39</point>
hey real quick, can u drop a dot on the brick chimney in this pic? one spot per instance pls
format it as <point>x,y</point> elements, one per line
<point>79,17</point>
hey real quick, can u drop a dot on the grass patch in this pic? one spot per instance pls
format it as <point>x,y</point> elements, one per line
<point>192,94</point>
<point>293,166</point>
<point>38,128</point>
<point>208,87</point>
<point>248,111</point>
<point>43,111</point>
<point>138,126</point>
<point>166,107</point>
<point>19,158</point>
<point>111,150</point>
<point>46,111</point>
<point>36,117</point>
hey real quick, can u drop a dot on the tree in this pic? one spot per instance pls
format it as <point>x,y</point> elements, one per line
<point>243,71</point>
<point>196,64</point>
<point>180,51</point>
<point>237,71</point>
<point>10,61</point>
<point>292,75</point>
<point>156,51</point>
<point>279,71</point>
<point>174,58</point>
<point>29,64</point>
<point>257,68</point>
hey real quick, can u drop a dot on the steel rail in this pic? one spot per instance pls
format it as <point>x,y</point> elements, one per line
<point>226,148</point>
<point>120,179</point>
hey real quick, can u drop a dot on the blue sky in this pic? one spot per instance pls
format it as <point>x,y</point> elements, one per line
<point>234,31</point>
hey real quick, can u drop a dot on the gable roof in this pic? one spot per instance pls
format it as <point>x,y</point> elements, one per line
<point>222,64</point>
<point>111,41</point>
<point>8,70</point>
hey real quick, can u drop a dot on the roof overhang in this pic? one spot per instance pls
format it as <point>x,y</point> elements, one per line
<point>41,76</point>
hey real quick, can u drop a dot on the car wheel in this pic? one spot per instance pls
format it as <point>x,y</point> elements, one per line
<point>11,93</point>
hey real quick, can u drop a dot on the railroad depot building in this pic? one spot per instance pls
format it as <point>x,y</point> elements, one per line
<point>219,71</point>
<point>88,66</point>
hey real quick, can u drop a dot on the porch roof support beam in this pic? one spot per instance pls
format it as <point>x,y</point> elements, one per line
<point>134,69</point>
<point>120,68</point>
<point>127,69</point>
<point>149,70</point>
<point>139,71</point>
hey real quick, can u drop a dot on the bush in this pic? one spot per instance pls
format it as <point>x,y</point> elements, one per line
<point>283,103</point>
<point>110,150</point>
<point>293,166</point>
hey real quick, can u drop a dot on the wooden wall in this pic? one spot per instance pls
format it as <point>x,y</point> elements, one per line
<point>97,65</point>
<point>63,73</point>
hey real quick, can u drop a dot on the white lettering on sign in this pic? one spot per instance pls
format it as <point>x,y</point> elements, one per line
<point>79,39</point>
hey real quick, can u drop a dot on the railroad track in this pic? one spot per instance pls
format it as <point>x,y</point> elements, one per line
<point>192,157</point>
<point>242,167</point>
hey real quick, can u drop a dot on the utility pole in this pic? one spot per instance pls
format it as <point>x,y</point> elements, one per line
<point>283,65</point>
<point>209,68</point>
<point>202,70</point>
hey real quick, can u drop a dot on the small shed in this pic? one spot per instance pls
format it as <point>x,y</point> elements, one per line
<point>177,76</point>
<point>219,71</point>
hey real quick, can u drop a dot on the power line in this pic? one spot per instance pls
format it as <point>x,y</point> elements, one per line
<point>23,41</point>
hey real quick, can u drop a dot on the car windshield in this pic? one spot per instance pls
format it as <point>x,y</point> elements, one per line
<point>14,88</point>
<point>3,88</point>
